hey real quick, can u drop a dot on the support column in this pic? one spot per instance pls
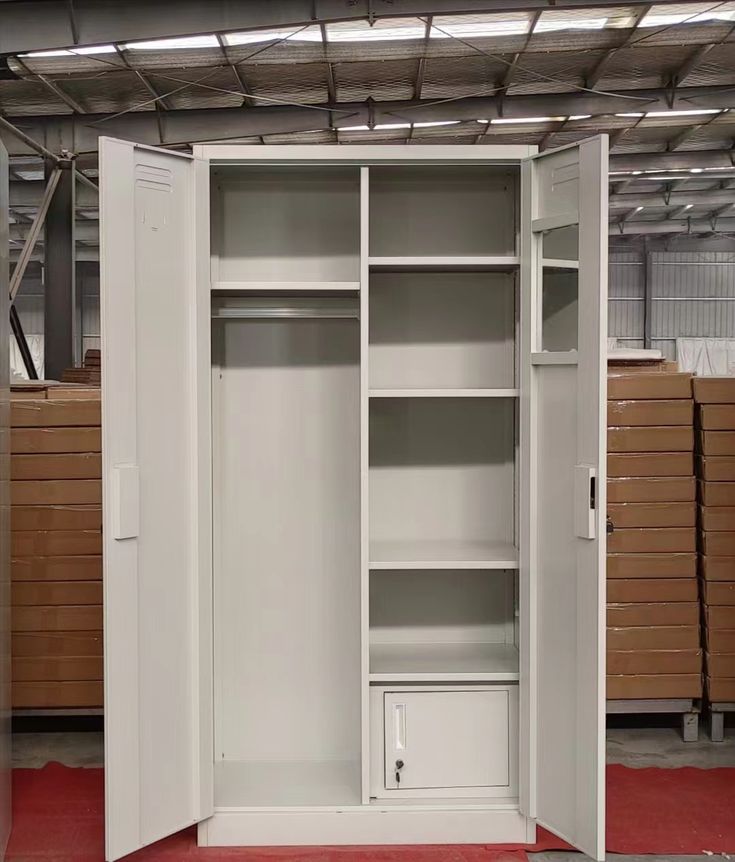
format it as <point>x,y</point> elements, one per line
<point>59,275</point>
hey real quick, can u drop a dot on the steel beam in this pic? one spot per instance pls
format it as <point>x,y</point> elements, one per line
<point>59,277</point>
<point>32,25</point>
<point>688,226</point>
<point>79,134</point>
<point>700,197</point>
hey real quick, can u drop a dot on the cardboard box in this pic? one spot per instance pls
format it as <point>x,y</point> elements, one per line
<point>652,514</point>
<point>57,618</point>
<point>721,664</point>
<point>87,465</point>
<point>650,464</point>
<point>664,412</point>
<point>62,568</point>
<point>718,592</point>
<point>56,643</point>
<point>716,493</point>
<point>651,566</point>
<point>666,489</point>
<point>714,390</point>
<point>717,568</point>
<point>721,689</point>
<point>720,640</point>
<point>716,417</point>
<point>56,593</point>
<point>52,414</point>
<point>620,364</point>
<point>651,438</point>
<point>719,617</point>
<point>56,518</point>
<point>653,637</point>
<point>717,518</point>
<point>652,590</point>
<point>654,614</point>
<point>68,391</point>
<point>716,468</point>
<point>715,442</point>
<point>56,492</point>
<point>654,661</point>
<point>654,540</point>
<point>651,686</point>
<point>32,668</point>
<point>719,544</point>
<point>52,694</point>
<point>24,441</point>
<point>621,386</point>
<point>52,543</point>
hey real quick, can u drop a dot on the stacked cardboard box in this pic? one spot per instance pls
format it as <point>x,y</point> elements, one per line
<point>56,547</point>
<point>653,641</point>
<point>89,373</point>
<point>715,422</point>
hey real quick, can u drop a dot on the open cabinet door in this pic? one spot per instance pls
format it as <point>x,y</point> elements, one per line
<point>154,225</point>
<point>563,427</point>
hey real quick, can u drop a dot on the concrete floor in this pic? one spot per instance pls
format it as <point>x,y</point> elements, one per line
<point>639,747</point>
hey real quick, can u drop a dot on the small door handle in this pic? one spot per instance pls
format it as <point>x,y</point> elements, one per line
<point>399,767</point>
<point>610,526</point>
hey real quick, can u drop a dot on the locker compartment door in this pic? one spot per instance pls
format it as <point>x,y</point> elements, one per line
<point>154,224</point>
<point>452,739</point>
<point>563,445</point>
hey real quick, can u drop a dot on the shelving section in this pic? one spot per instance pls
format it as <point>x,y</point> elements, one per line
<point>286,444</point>
<point>365,398</point>
<point>440,316</point>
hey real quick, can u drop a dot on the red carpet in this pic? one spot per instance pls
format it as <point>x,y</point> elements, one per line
<point>58,816</point>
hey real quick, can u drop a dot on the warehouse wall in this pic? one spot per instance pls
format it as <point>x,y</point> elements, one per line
<point>691,292</point>
<point>29,303</point>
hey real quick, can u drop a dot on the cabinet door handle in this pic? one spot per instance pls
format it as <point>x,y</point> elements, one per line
<point>399,717</point>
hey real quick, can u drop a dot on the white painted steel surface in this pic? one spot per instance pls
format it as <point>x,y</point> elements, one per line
<point>157,579</point>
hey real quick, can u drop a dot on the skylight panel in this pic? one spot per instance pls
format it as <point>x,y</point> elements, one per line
<point>465,26</point>
<point>209,41</point>
<point>688,13</point>
<point>383,30</point>
<point>294,34</point>
<point>508,120</point>
<point>557,20</point>
<point>70,52</point>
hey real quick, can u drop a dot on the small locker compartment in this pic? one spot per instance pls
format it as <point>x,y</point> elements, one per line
<point>444,741</point>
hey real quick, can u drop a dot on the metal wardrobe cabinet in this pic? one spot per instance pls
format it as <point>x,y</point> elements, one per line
<point>354,493</point>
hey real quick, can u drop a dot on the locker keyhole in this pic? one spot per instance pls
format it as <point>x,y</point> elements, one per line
<point>399,767</point>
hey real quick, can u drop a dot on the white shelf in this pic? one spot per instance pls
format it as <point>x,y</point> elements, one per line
<point>438,554</point>
<point>448,264</point>
<point>443,662</point>
<point>285,286</point>
<point>559,263</point>
<point>443,393</point>
<point>274,784</point>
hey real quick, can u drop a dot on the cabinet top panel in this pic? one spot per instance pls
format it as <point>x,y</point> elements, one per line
<point>365,155</point>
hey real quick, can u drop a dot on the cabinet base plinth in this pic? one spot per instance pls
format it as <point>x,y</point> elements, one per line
<point>369,824</point>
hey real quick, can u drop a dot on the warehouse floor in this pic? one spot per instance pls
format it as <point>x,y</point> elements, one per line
<point>636,748</point>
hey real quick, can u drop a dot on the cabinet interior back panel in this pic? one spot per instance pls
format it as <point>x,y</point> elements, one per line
<point>442,469</point>
<point>442,330</point>
<point>287,224</point>
<point>287,543</point>
<point>442,210</point>
<point>441,607</point>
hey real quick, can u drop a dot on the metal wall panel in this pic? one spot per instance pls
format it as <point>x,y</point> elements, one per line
<point>692,294</point>
<point>626,282</point>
